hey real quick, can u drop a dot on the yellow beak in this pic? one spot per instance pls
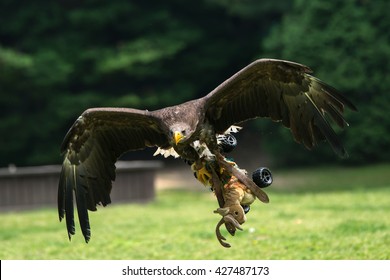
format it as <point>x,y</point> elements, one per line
<point>177,136</point>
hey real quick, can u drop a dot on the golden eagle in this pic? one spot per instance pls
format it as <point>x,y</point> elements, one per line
<point>280,90</point>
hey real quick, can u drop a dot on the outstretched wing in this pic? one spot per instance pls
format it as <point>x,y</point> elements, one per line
<point>91,147</point>
<point>283,91</point>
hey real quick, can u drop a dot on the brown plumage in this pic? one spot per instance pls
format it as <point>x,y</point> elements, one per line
<point>281,90</point>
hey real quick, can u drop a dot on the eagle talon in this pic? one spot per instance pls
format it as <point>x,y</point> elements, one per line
<point>230,161</point>
<point>202,174</point>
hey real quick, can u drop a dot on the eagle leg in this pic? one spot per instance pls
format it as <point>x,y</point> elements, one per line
<point>259,193</point>
<point>201,172</point>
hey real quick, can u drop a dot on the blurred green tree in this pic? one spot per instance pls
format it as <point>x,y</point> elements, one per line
<point>58,58</point>
<point>346,42</point>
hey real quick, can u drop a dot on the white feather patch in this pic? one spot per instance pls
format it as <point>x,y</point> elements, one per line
<point>166,152</point>
<point>233,129</point>
<point>202,150</point>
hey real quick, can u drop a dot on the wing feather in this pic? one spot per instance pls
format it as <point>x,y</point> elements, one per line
<point>91,147</point>
<point>283,91</point>
<point>69,204</point>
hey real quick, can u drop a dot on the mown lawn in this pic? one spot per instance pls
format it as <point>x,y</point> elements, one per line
<point>322,213</point>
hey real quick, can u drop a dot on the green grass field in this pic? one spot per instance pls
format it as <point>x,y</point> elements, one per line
<point>322,213</point>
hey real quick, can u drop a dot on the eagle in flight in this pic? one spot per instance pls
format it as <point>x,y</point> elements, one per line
<point>281,90</point>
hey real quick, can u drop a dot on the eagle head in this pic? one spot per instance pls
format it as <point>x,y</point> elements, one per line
<point>179,133</point>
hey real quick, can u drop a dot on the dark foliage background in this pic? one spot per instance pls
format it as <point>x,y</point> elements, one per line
<point>58,58</point>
